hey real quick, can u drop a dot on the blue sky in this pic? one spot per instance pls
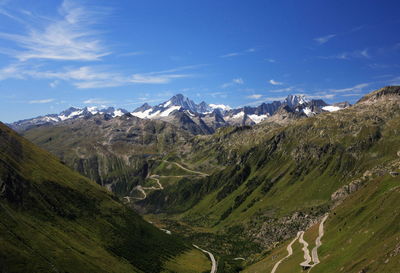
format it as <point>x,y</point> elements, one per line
<point>55,54</point>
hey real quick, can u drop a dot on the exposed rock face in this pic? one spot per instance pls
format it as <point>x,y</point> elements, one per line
<point>277,230</point>
<point>338,196</point>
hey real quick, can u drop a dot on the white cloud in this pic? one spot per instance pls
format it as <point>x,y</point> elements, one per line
<point>41,101</point>
<point>233,54</point>
<point>238,81</point>
<point>274,98</point>
<point>70,37</point>
<point>275,82</point>
<point>324,39</point>
<point>85,77</point>
<point>327,96</point>
<point>360,54</point>
<point>364,53</point>
<point>235,81</point>
<point>271,60</point>
<point>288,89</point>
<point>128,54</point>
<point>219,95</point>
<point>255,96</point>
<point>97,101</point>
<point>54,84</point>
<point>356,88</point>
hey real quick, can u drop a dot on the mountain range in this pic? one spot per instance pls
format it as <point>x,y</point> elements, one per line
<point>199,118</point>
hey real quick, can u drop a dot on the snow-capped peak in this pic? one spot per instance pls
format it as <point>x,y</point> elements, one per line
<point>220,106</point>
<point>295,100</point>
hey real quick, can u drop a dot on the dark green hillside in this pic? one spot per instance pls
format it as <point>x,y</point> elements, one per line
<point>54,220</point>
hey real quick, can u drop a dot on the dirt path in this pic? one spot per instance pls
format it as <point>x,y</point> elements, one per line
<point>289,250</point>
<point>314,252</point>
<point>307,257</point>
<point>213,261</point>
<point>318,242</point>
<point>160,186</point>
<point>186,169</point>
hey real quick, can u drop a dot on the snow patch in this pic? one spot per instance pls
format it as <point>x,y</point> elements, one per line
<point>169,111</point>
<point>190,114</point>
<point>93,110</point>
<point>308,111</point>
<point>167,104</point>
<point>238,115</point>
<point>118,113</point>
<point>331,108</point>
<point>258,118</point>
<point>144,114</point>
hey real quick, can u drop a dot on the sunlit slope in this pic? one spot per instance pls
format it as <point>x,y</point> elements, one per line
<point>361,235</point>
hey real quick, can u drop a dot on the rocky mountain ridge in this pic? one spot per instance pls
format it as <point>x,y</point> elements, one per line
<point>199,118</point>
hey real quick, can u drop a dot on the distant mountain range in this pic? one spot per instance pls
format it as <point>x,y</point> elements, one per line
<point>202,118</point>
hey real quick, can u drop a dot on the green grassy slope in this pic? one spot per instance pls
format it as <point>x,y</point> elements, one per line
<point>361,235</point>
<point>54,220</point>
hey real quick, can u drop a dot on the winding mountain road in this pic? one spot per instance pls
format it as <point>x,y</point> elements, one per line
<point>212,258</point>
<point>314,252</point>
<point>307,257</point>
<point>186,169</point>
<point>160,186</point>
<point>318,242</point>
<point>289,250</point>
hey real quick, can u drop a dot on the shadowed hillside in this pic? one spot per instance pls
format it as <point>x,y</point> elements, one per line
<point>54,220</point>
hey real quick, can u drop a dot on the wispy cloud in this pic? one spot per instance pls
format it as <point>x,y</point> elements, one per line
<point>232,54</point>
<point>326,96</point>
<point>235,81</point>
<point>360,54</point>
<point>85,77</point>
<point>97,101</point>
<point>41,101</point>
<point>324,39</point>
<point>129,54</point>
<point>274,98</point>
<point>273,82</point>
<point>239,53</point>
<point>254,96</point>
<point>70,37</point>
<point>356,88</point>
<point>251,50</point>
<point>54,84</point>
<point>219,94</point>
<point>281,90</point>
